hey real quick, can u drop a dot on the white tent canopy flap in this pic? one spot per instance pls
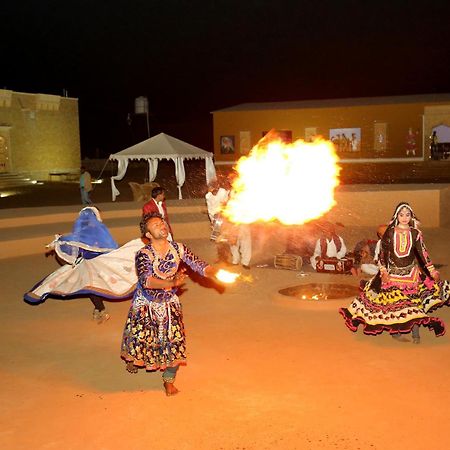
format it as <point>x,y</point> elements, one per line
<point>121,171</point>
<point>152,169</point>
<point>180,175</point>
<point>162,146</point>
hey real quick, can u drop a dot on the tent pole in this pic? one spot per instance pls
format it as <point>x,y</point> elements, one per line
<point>148,124</point>
<point>101,172</point>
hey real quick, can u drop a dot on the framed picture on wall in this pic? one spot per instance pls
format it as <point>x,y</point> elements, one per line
<point>284,135</point>
<point>244,142</point>
<point>226,145</point>
<point>310,134</point>
<point>346,140</point>
<point>380,138</point>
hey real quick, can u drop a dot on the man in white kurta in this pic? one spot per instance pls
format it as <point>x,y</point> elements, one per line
<point>331,250</point>
<point>216,197</point>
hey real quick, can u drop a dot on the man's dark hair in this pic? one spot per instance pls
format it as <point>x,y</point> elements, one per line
<point>145,219</point>
<point>156,191</point>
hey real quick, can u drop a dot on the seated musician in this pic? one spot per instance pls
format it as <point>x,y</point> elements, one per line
<point>329,247</point>
<point>366,254</point>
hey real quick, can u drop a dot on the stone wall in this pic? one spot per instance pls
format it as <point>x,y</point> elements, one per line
<point>42,131</point>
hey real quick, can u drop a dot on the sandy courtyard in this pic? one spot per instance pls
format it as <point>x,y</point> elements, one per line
<point>261,374</point>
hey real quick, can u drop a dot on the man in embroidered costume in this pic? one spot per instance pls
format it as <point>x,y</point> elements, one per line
<point>154,336</point>
<point>406,287</point>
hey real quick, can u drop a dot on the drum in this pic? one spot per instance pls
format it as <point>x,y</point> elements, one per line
<point>288,261</point>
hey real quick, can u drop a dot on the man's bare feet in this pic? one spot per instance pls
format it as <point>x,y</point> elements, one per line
<point>170,389</point>
<point>131,367</point>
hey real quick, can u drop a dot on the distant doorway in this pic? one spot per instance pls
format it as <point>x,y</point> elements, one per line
<point>4,152</point>
<point>440,142</point>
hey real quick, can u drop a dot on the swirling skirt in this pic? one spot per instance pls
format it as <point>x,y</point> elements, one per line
<point>397,310</point>
<point>154,334</point>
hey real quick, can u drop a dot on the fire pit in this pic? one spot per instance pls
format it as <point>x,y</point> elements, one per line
<point>317,295</point>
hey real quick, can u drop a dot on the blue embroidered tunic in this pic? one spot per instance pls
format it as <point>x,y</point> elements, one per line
<point>154,335</point>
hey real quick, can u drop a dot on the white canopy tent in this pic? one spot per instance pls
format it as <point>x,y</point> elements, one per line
<point>161,146</point>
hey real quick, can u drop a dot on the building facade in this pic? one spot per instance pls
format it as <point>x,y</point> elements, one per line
<point>39,134</point>
<point>362,129</point>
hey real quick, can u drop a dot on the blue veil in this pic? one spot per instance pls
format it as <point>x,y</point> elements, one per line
<point>89,238</point>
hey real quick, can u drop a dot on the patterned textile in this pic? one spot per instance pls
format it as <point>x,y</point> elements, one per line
<point>396,306</point>
<point>111,276</point>
<point>154,335</point>
<point>89,238</point>
<point>395,310</point>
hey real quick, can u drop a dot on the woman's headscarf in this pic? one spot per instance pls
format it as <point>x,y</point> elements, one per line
<point>89,237</point>
<point>414,222</point>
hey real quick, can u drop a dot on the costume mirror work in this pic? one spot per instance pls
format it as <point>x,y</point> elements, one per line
<point>399,298</point>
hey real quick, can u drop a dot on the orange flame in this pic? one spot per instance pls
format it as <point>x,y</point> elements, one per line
<point>292,183</point>
<point>226,277</point>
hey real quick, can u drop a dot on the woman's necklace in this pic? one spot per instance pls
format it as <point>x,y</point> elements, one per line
<point>403,241</point>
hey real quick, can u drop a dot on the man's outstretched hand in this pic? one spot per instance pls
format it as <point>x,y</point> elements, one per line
<point>211,271</point>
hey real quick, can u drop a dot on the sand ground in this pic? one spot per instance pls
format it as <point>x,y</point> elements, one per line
<point>261,373</point>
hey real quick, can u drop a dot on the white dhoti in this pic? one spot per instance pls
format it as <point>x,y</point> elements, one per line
<point>241,252</point>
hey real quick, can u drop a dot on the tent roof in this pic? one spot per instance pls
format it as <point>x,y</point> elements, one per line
<point>162,146</point>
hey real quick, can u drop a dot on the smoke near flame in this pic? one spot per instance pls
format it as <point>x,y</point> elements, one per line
<point>290,183</point>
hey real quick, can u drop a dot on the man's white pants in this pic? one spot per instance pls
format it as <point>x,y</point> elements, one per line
<point>242,251</point>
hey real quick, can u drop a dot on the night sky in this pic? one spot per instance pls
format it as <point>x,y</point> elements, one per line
<point>193,57</point>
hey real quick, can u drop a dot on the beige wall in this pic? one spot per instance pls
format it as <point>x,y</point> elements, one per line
<point>358,206</point>
<point>374,205</point>
<point>398,117</point>
<point>44,133</point>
